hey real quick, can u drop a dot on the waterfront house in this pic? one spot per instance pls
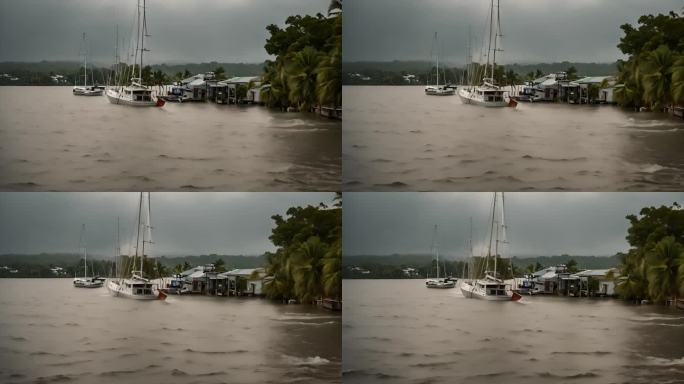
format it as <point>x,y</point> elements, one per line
<point>197,278</point>
<point>554,280</point>
<point>193,88</point>
<point>248,281</point>
<point>597,282</point>
<point>244,83</point>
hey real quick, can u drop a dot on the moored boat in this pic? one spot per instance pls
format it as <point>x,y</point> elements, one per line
<point>438,282</point>
<point>137,286</point>
<point>85,90</point>
<point>135,93</point>
<point>85,281</point>
<point>438,90</point>
<point>488,93</point>
<point>491,287</point>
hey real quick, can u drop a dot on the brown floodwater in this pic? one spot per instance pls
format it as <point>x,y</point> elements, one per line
<point>398,331</point>
<point>52,140</point>
<point>399,139</point>
<point>53,332</point>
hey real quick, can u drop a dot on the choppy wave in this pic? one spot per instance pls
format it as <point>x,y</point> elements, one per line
<point>306,361</point>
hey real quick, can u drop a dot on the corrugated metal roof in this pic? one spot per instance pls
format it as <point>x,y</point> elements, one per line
<point>242,80</point>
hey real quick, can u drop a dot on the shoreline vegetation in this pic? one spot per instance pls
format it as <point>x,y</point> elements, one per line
<point>651,78</point>
<point>306,266</point>
<point>304,76</point>
<point>651,271</point>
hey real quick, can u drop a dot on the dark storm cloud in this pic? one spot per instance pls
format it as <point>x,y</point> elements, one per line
<point>534,30</point>
<point>181,30</point>
<point>184,223</point>
<point>538,223</point>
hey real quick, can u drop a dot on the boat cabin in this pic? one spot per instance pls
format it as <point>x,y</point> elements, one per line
<point>492,289</point>
<point>139,94</point>
<point>491,95</point>
<point>140,288</point>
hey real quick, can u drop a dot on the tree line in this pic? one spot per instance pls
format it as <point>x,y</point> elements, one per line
<point>306,72</point>
<point>653,268</point>
<point>652,77</point>
<point>307,264</point>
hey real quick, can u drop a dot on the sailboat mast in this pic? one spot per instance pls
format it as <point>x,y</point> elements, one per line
<point>137,240</point>
<point>436,251</point>
<point>437,46</point>
<point>489,43</point>
<point>470,243</point>
<point>118,249</point>
<point>497,34</point>
<point>85,61</point>
<point>142,41</point>
<point>85,253</point>
<point>496,247</point>
<point>491,235</point>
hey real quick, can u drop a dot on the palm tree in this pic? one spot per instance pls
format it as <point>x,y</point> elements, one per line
<point>279,267</point>
<point>329,79</point>
<point>332,271</point>
<point>629,91</point>
<point>302,77</point>
<point>664,261</point>
<point>632,283</point>
<point>276,76</point>
<point>308,270</point>
<point>219,265</point>
<point>678,80</point>
<point>178,268</point>
<point>657,78</point>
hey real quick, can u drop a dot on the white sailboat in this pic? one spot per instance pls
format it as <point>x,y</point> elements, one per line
<point>135,93</point>
<point>85,90</point>
<point>488,94</point>
<point>491,287</point>
<point>438,90</point>
<point>85,281</point>
<point>438,282</point>
<point>137,286</point>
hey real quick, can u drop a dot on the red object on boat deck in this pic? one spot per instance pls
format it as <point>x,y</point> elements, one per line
<point>516,296</point>
<point>160,102</point>
<point>512,103</point>
<point>161,295</point>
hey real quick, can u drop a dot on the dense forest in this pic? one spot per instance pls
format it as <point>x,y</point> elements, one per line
<point>392,73</point>
<point>393,266</point>
<point>306,69</point>
<point>653,268</point>
<point>72,264</point>
<point>42,73</point>
<point>653,75</point>
<point>307,263</point>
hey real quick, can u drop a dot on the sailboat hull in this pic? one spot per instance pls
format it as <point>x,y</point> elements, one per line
<point>87,283</point>
<point>439,91</point>
<point>472,292</point>
<point>83,91</point>
<point>123,289</point>
<point>470,98</point>
<point>116,97</point>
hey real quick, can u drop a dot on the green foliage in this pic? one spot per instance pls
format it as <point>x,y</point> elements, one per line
<point>653,75</point>
<point>220,73</point>
<point>219,265</point>
<point>306,264</point>
<point>306,71</point>
<point>654,266</point>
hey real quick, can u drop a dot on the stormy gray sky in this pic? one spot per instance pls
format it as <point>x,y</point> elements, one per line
<point>190,223</point>
<point>534,30</point>
<point>580,223</point>
<point>181,31</point>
